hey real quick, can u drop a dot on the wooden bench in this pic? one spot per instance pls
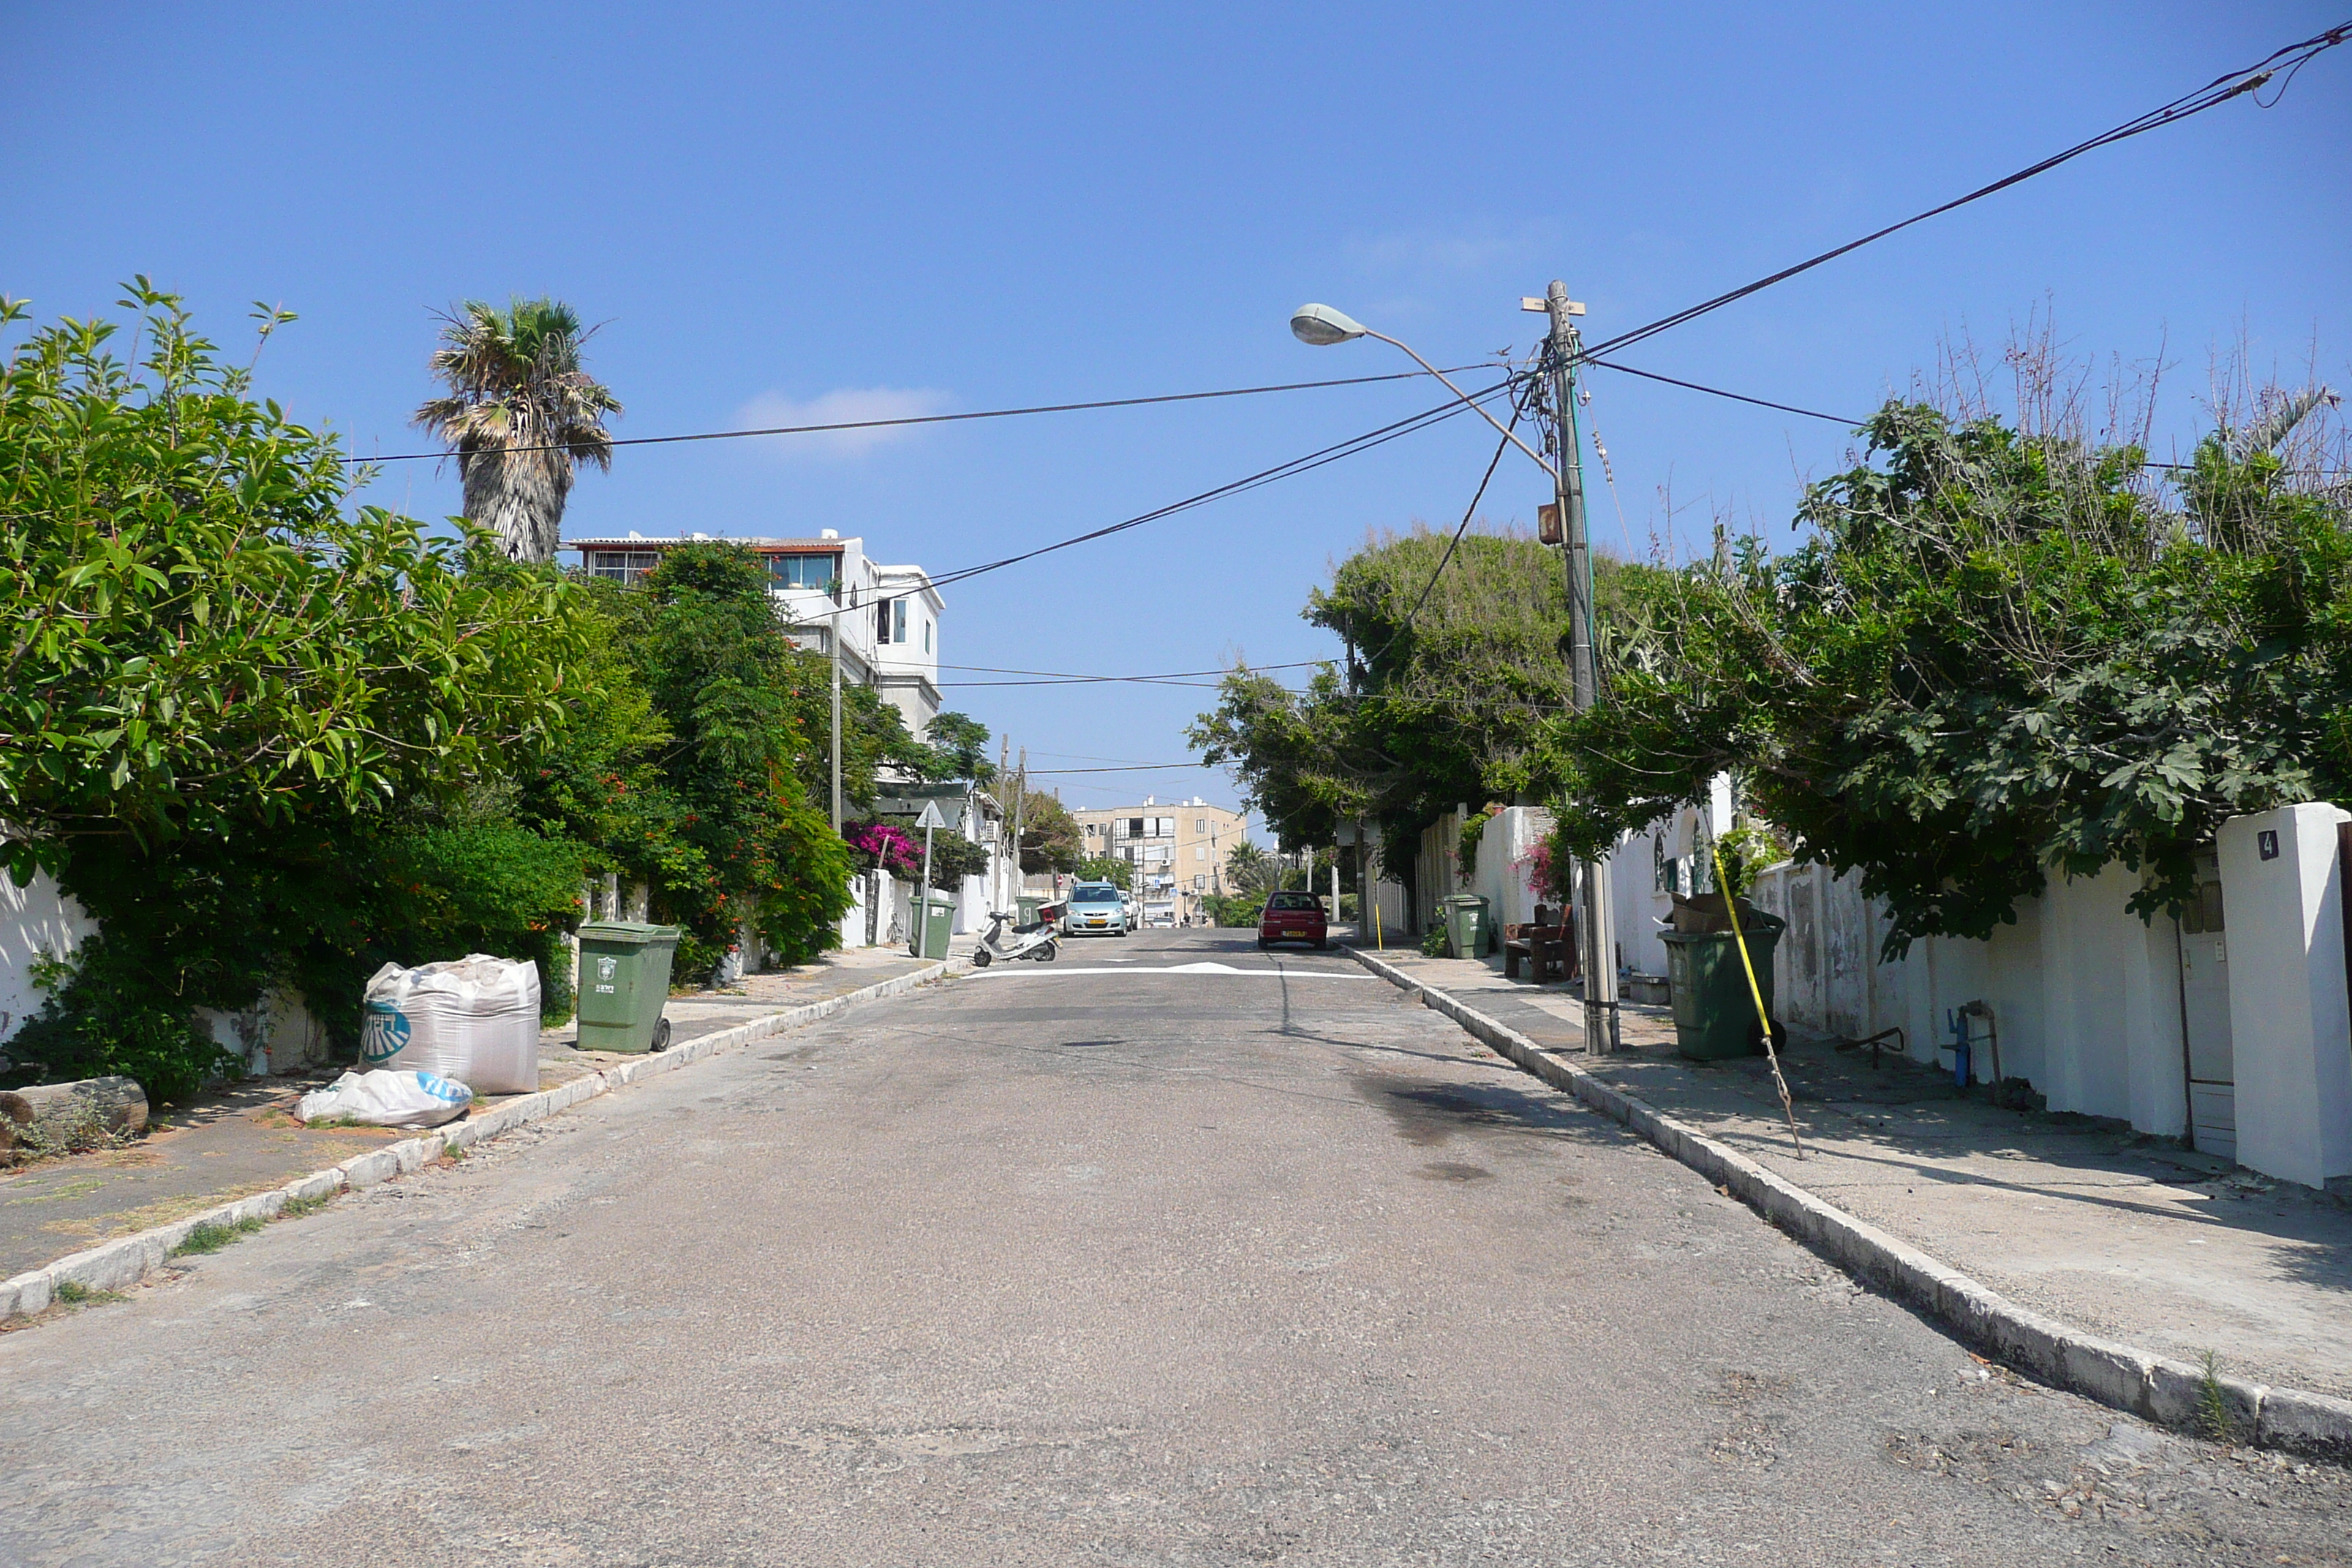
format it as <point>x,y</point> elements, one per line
<point>1546,950</point>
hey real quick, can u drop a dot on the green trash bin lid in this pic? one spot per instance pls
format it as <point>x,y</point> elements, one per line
<point>628,933</point>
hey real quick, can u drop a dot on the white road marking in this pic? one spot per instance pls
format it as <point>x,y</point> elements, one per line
<point>1205,967</point>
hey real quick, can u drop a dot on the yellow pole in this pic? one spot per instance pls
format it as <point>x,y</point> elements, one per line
<point>1756,993</point>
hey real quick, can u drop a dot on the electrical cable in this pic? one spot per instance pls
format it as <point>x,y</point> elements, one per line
<point>1719,392</point>
<point>1054,675</point>
<point>1137,768</point>
<point>1364,442</point>
<point>1079,680</point>
<point>924,418</point>
<point>1518,408</point>
<point>2220,90</point>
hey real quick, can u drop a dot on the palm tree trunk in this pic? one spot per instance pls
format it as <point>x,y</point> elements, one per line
<point>518,496</point>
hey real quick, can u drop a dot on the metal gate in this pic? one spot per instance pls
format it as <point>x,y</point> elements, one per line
<point>2205,1017</point>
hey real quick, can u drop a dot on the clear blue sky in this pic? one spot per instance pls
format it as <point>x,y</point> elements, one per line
<point>885,207</point>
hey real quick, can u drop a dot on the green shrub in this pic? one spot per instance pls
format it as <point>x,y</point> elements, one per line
<point>103,1015</point>
<point>492,887</point>
<point>1235,908</point>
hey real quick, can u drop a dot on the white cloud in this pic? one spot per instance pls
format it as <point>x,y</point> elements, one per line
<point>842,405</point>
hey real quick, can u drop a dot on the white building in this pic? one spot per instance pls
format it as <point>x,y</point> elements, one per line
<point>1177,847</point>
<point>888,617</point>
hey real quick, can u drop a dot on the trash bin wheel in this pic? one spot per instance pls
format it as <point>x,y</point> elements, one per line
<point>661,1034</point>
<point>980,957</point>
<point>1779,1038</point>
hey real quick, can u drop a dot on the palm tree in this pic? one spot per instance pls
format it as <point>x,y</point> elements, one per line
<point>1250,869</point>
<point>521,414</point>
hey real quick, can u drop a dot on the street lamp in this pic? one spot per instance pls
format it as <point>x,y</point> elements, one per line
<point>1320,326</point>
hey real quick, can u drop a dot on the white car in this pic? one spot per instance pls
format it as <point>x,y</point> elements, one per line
<point>1095,909</point>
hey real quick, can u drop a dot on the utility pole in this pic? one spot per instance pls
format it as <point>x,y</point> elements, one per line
<point>1020,823</point>
<point>1600,956</point>
<point>1011,819</point>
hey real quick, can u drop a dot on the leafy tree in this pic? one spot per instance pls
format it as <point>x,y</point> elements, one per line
<point>961,744</point>
<point>200,640</point>
<point>1106,869</point>
<point>522,414</point>
<point>1448,673</point>
<point>229,700</point>
<point>1998,656</point>
<point>953,857</point>
<point>729,687</point>
<point>1050,840</point>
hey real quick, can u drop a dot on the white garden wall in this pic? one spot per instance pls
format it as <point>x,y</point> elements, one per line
<point>37,921</point>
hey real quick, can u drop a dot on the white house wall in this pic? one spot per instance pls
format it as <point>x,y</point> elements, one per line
<point>1501,878</point>
<point>2084,994</point>
<point>37,921</point>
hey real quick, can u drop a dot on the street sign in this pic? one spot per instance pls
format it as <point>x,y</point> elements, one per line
<point>930,817</point>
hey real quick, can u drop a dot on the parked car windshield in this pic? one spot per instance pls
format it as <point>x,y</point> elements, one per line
<point>1293,901</point>
<point>1095,896</point>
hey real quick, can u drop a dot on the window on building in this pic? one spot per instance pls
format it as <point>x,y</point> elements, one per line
<point>621,565</point>
<point>1199,825</point>
<point>898,620</point>
<point>882,620</point>
<point>803,571</point>
<point>1199,852</point>
<point>1135,828</point>
<point>926,636</point>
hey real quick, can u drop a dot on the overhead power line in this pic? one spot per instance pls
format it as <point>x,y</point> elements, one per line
<point>840,425</point>
<point>1366,441</point>
<point>1719,392</point>
<point>2220,90</point>
<point>1137,768</point>
<point>1054,675</point>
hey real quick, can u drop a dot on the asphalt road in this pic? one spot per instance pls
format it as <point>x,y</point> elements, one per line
<point>1111,1262</point>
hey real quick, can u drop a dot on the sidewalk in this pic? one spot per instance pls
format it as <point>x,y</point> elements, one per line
<point>2129,1236</point>
<point>243,1140</point>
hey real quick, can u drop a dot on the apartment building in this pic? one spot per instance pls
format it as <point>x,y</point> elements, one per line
<point>887,617</point>
<point>1177,847</point>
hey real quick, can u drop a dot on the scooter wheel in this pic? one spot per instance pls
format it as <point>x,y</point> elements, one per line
<point>1048,953</point>
<point>981,958</point>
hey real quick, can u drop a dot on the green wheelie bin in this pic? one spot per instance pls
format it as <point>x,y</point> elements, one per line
<point>623,981</point>
<point>931,938</point>
<point>1715,1016</point>
<point>1469,925</point>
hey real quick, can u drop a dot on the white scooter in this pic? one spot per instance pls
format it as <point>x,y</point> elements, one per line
<point>1033,941</point>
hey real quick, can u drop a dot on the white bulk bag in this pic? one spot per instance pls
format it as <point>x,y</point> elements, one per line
<point>475,1019</point>
<point>386,1099</point>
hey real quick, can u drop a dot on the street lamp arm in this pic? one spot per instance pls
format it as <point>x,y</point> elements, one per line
<point>1498,424</point>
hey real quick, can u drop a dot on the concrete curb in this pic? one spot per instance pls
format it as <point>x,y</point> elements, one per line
<point>2168,1391</point>
<point>119,1264</point>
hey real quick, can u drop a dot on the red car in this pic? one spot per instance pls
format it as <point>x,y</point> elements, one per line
<point>1293,917</point>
